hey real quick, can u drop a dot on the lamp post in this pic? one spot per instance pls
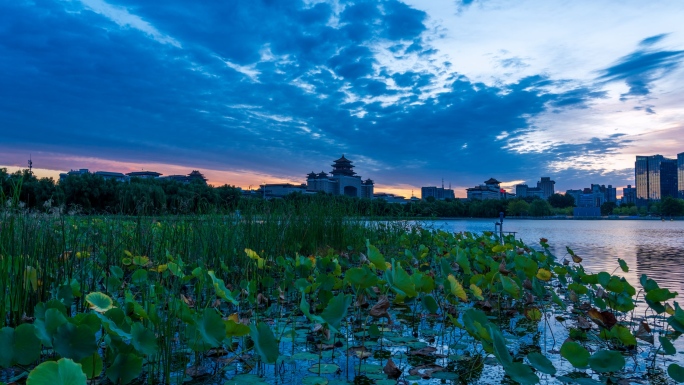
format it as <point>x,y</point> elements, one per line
<point>499,224</point>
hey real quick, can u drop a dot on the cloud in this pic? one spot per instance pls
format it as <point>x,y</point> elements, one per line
<point>642,67</point>
<point>276,88</point>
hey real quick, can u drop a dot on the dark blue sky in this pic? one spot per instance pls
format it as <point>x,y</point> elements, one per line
<point>269,90</point>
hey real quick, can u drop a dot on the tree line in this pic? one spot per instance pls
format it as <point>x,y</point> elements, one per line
<point>92,194</point>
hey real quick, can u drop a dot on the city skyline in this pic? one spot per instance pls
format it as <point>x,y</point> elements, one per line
<point>414,92</point>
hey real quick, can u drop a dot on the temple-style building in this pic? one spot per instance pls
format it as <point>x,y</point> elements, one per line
<point>491,189</point>
<point>341,181</point>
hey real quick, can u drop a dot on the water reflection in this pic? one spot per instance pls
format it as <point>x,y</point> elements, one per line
<point>649,247</point>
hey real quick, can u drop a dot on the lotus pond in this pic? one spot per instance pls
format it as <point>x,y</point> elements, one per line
<point>316,299</point>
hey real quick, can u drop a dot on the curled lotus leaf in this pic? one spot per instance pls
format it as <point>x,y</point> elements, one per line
<point>99,302</point>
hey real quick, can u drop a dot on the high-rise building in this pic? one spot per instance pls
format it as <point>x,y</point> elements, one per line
<point>547,186</point>
<point>439,193</point>
<point>628,195</point>
<point>656,177</point>
<point>680,174</point>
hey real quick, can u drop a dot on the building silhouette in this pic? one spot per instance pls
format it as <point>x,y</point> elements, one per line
<point>341,181</point>
<point>491,189</point>
<point>545,188</point>
<point>680,174</point>
<point>439,193</point>
<point>628,195</point>
<point>655,177</point>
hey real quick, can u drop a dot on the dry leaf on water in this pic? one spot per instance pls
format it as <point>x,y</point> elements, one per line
<point>379,310</point>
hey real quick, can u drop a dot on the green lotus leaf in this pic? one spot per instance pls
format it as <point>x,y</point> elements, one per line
<point>541,363</point>
<point>606,361</point>
<point>88,319</point>
<point>264,342</point>
<point>62,372</point>
<point>500,350</point>
<point>234,329</point>
<point>360,278</point>
<point>99,302</point>
<point>510,286</point>
<point>6,347</point>
<point>126,368</point>
<point>139,277</point>
<point>116,272</point>
<point>667,346</point>
<point>375,257</point>
<point>399,281</point>
<point>19,346</point>
<point>75,342</point>
<point>463,261</point>
<point>676,372</point>
<point>623,265</point>
<point>324,368</point>
<point>430,304</point>
<point>46,327</point>
<point>575,353</point>
<point>26,345</point>
<point>143,339</point>
<point>336,310</point>
<point>92,365</point>
<point>221,289</point>
<point>207,332</point>
<point>521,373</point>
<point>660,295</point>
<point>423,282</point>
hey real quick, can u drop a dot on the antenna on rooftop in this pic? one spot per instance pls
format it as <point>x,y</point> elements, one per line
<point>30,164</point>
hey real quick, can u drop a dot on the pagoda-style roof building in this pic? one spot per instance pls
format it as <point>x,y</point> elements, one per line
<point>492,181</point>
<point>144,174</point>
<point>196,175</point>
<point>343,167</point>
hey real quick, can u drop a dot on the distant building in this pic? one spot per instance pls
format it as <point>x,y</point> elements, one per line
<point>524,191</point>
<point>81,171</point>
<point>144,174</point>
<point>628,195</point>
<point>680,174</point>
<point>656,177</point>
<point>391,198</point>
<point>545,188</point>
<point>281,189</point>
<point>193,176</point>
<point>439,193</point>
<point>116,176</point>
<point>491,189</point>
<point>342,181</point>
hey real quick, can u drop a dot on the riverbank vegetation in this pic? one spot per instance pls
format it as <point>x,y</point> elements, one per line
<point>92,194</point>
<point>303,293</point>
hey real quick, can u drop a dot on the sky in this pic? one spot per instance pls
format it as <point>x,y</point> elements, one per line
<point>413,92</point>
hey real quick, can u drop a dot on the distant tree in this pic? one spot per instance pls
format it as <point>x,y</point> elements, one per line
<point>672,207</point>
<point>561,201</point>
<point>540,208</point>
<point>430,199</point>
<point>607,208</point>
<point>517,207</point>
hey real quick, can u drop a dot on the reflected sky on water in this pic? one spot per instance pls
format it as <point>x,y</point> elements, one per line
<point>651,247</point>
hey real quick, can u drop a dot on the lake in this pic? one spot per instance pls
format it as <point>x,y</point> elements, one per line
<point>651,247</point>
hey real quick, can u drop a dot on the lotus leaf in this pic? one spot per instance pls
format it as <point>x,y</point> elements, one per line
<point>510,286</point>
<point>207,332</point>
<point>667,346</point>
<point>92,365</point>
<point>62,372</point>
<point>336,310</point>
<point>143,339</point>
<point>521,373</point>
<point>430,304</point>
<point>676,372</point>
<point>221,289</point>
<point>75,341</point>
<point>541,363</point>
<point>375,257</point>
<point>264,342</point>
<point>126,368</point>
<point>575,353</point>
<point>606,361</point>
<point>314,380</point>
<point>456,288</point>
<point>99,302</point>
